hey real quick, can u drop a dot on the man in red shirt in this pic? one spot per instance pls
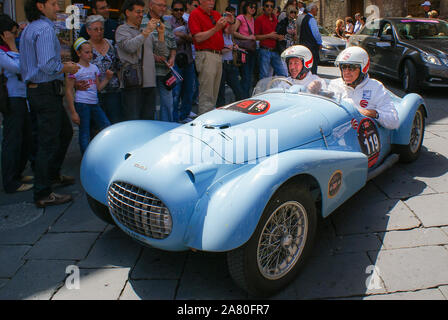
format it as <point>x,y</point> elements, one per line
<point>206,27</point>
<point>265,32</point>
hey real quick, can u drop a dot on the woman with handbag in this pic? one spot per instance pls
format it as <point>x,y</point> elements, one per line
<point>244,37</point>
<point>17,138</point>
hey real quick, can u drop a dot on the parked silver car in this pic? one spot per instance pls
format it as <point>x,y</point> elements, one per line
<point>331,46</point>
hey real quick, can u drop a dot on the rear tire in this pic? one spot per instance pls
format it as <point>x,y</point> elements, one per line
<point>100,210</point>
<point>283,239</point>
<point>411,152</point>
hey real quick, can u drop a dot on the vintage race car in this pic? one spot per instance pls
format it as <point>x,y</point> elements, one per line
<point>250,179</point>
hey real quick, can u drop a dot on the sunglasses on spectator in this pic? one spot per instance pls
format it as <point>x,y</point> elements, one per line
<point>253,6</point>
<point>350,67</point>
<point>178,9</point>
<point>269,6</point>
<point>292,11</point>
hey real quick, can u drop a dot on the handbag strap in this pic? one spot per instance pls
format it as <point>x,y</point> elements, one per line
<point>248,27</point>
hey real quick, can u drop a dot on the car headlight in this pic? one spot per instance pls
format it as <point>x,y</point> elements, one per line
<point>430,58</point>
<point>328,47</point>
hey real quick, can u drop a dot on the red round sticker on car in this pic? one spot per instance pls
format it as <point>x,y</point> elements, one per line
<point>369,140</point>
<point>254,107</point>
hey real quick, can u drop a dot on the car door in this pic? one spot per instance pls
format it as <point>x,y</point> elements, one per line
<point>388,51</point>
<point>367,39</point>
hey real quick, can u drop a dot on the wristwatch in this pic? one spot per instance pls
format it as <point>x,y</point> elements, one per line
<point>377,115</point>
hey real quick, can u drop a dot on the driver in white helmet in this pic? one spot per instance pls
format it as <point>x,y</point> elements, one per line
<point>299,61</point>
<point>369,95</point>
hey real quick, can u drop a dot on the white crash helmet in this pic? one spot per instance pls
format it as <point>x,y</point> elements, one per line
<point>300,52</point>
<point>354,55</point>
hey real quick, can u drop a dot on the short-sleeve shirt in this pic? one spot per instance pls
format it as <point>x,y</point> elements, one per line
<point>246,25</point>
<point>89,96</point>
<point>200,21</point>
<point>263,25</point>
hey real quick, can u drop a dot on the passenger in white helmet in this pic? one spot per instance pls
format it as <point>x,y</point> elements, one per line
<point>299,61</point>
<point>369,95</point>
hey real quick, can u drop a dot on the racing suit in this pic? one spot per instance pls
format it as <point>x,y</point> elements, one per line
<point>308,79</point>
<point>369,94</point>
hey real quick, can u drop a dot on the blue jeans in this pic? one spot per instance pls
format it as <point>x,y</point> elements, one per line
<point>267,59</point>
<point>111,104</point>
<point>184,90</point>
<point>87,112</point>
<point>166,101</point>
<point>230,75</point>
<point>247,74</point>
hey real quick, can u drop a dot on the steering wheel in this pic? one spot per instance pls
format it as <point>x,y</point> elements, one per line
<point>269,86</point>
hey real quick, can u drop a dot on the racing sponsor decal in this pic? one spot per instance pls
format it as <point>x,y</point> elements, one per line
<point>369,140</point>
<point>364,103</point>
<point>334,184</point>
<point>252,106</point>
<point>354,124</point>
<point>367,94</point>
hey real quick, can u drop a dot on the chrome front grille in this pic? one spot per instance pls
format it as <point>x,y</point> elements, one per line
<point>139,210</point>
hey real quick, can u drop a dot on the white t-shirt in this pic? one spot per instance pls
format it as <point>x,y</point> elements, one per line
<point>89,96</point>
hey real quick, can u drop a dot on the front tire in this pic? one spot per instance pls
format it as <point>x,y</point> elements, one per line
<point>409,153</point>
<point>409,77</point>
<point>283,239</point>
<point>100,210</point>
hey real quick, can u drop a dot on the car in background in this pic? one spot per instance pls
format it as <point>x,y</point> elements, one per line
<point>331,46</point>
<point>411,50</point>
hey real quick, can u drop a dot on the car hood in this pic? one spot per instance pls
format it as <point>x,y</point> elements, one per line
<point>333,41</point>
<point>257,127</point>
<point>436,46</point>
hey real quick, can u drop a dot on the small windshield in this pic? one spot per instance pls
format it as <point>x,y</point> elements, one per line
<point>422,29</point>
<point>283,84</point>
<point>265,84</point>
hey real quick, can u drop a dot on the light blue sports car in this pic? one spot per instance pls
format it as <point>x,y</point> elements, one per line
<point>250,179</point>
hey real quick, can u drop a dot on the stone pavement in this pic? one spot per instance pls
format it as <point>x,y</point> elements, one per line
<point>389,241</point>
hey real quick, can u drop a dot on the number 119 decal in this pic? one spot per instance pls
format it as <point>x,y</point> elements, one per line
<point>369,140</point>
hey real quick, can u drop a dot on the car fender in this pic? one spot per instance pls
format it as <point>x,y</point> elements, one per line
<point>228,213</point>
<point>406,112</point>
<point>110,148</point>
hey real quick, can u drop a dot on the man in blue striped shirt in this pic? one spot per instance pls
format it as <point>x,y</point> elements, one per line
<point>43,72</point>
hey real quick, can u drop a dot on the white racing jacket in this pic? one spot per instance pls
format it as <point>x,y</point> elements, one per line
<point>308,79</point>
<point>369,94</point>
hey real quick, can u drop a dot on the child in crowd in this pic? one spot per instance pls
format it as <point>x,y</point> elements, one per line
<point>84,105</point>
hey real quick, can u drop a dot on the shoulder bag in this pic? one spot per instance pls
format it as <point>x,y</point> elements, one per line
<point>247,44</point>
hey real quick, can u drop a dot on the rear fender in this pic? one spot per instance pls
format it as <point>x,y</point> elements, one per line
<point>228,213</point>
<point>113,146</point>
<point>406,112</point>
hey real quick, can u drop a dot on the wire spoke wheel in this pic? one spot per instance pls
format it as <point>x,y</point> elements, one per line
<point>417,132</point>
<point>282,240</point>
